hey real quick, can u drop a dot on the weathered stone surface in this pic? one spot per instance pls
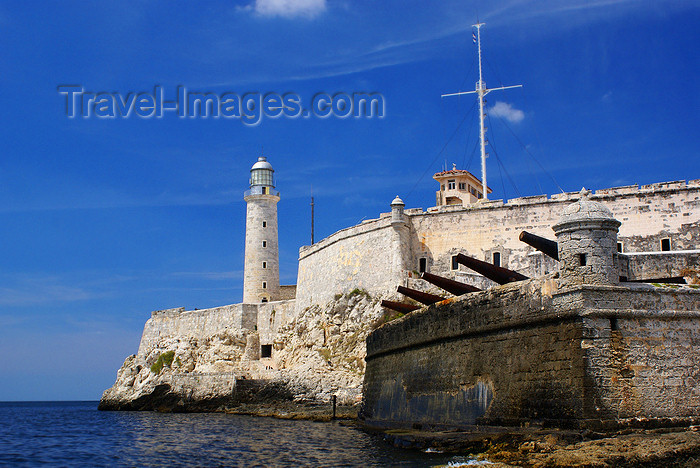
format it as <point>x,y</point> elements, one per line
<point>588,355</point>
<point>314,355</point>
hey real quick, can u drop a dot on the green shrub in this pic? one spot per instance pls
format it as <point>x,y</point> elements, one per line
<point>358,292</point>
<point>165,359</point>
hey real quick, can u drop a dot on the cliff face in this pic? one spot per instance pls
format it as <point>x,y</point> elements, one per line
<point>209,360</point>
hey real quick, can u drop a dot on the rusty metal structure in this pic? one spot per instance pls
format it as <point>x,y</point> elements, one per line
<point>399,306</point>
<point>495,273</point>
<point>420,296</point>
<point>455,287</point>
<point>544,245</point>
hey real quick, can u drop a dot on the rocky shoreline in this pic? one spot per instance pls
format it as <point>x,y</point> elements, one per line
<point>526,447</point>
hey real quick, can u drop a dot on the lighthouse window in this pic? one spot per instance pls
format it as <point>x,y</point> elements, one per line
<point>497,259</point>
<point>264,284</point>
<point>422,265</point>
<point>264,190</point>
<point>450,185</point>
<point>264,243</point>
<point>266,351</point>
<point>462,186</point>
<point>582,259</point>
<point>264,264</point>
<point>264,223</point>
<point>455,264</point>
<point>619,247</point>
<point>665,245</point>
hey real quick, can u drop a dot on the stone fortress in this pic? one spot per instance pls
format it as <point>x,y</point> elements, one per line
<point>307,342</point>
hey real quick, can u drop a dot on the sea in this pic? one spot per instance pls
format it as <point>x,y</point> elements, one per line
<point>77,434</point>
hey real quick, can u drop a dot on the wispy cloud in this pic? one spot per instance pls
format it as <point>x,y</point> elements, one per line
<point>507,111</point>
<point>288,8</point>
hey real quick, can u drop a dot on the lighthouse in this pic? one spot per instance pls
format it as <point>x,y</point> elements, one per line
<point>261,277</point>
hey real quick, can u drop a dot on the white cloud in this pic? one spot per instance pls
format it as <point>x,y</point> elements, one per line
<point>507,111</point>
<point>290,8</point>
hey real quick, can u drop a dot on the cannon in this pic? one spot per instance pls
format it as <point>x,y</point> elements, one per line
<point>495,273</point>
<point>546,246</point>
<point>399,306</point>
<point>420,296</point>
<point>668,280</point>
<point>449,285</point>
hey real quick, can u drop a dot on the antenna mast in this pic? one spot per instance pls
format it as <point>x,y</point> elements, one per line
<point>481,91</point>
<point>312,215</point>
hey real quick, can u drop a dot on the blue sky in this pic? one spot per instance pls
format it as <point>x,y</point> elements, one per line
<point>104,220</point>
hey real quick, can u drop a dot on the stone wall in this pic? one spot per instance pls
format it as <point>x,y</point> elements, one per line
<point>184,324</point>
<point>360,256</point>
<point>646,265</point>
<point>526,352</point>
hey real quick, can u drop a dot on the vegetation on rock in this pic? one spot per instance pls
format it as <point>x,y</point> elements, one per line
<point>165,359</point>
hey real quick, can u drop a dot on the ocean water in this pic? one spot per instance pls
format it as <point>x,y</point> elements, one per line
<point>76,434</point>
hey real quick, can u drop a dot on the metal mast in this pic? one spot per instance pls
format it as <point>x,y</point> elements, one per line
<point>481,91</point>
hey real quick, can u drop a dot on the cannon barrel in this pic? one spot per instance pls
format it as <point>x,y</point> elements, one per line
<point>420,296</point>
<point>546,246</point>
<point>495,273</point>
<point>399,306</point>
<point>668,280</point>
<point>449,285</point>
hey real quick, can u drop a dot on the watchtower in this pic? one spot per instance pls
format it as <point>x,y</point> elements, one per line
<point>261,276</point>
<point>587,238</point>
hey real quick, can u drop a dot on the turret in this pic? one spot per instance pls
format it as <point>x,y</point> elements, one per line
<point>397,206</point>
<point>587,241</point>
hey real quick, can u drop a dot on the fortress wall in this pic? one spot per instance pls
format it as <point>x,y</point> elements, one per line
<point>648,214</point>
<point>525,352</point>
<point>492,354</point>
<point>181,323</point>
<point>663,264</point>
<point>357,257</point>
<point>641,347</point>
<point>273,315</point>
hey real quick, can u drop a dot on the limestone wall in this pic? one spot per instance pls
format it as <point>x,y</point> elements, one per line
<point>527,352</point>
<point>271,317</point>
<point>648,214</point>
<point>360,257</point>
<point>181,323</point>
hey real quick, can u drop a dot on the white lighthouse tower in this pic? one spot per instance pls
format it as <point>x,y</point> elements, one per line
<point>261,277</point>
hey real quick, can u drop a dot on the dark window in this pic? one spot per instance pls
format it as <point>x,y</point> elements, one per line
<point>497,259</point>
<point>264,264</point>
<point>450,185</point>
<point>619,247</point>
<point>582,259</point>
<point>665,245</point>
<point>266,351</point>
<point>455,264</point>
<point>462,186</point>
<point>264,299</point>
<point>264,223</point>
<point>613,323</point>
<point>264,243</point>
<point>264,190</point>
<point>422,265</point>
<point>264,284</point>
<point>479,195</point>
